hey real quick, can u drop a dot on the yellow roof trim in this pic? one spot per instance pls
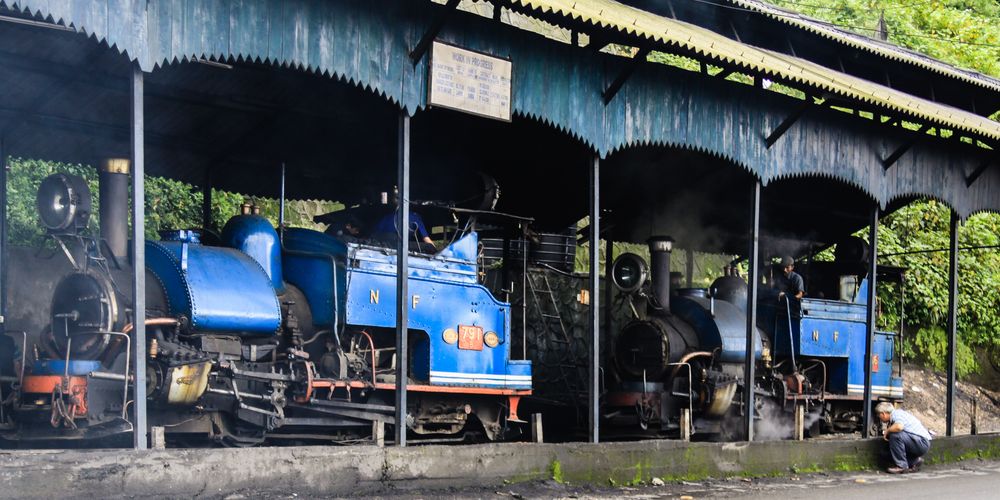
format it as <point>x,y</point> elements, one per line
<point>858,41</point>
<point>623,18</point>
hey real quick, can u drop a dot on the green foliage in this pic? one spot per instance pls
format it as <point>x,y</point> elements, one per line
<point>24,228</point>
<point>169,204</point>
<point>931,345</point>
<point>924,227</point>
<point>964,33</point>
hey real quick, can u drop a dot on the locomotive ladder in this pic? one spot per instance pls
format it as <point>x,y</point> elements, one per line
<point>543,297</point>
<point>551,318</point>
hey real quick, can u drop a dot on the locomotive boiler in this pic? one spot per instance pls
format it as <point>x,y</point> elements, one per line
<point>260,337</point>
<point>678,363</point>
<point>677,367</point>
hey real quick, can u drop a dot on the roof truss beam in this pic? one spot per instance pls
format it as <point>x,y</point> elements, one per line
<point>788,122</point>
<point>898,153</point>
<point>979,171</point>
<point>432,32</point>
<point>627,71</point>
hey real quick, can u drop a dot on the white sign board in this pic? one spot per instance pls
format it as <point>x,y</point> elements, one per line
<point>469,81</point>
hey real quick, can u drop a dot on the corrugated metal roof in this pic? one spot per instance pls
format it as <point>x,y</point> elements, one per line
<point>884,49</point>
<point>623,18</point>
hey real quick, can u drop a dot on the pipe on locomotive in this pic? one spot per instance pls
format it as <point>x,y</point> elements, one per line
<point>660,248</point>
<point>113,188</point>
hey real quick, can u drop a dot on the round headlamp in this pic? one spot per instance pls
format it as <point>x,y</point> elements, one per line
<point>63,203</point>
<point>629,272</point>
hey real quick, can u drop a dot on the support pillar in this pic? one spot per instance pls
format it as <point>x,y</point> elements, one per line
<point>537,435</point>
<point>402,275</point>
<point>3,238</point>
<point>609,260</point>
<point>952,322</point>
<point>866,408</point>
<point>800,421</point>
<point>753,257</point>
<point>140,434</point>
<point>593,392</point>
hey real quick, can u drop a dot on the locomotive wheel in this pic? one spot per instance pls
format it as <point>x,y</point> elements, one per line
<point>232,435</point>
<point>242,438</point>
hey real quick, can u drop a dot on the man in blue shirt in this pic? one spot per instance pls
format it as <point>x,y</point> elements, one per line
<point>908,439</point>
<point>387,226</point>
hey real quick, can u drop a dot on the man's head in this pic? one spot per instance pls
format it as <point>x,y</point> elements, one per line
<point>787,264</point>
<point>883,410</point>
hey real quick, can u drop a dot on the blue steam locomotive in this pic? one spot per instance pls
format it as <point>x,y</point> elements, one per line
<point>678,365</point>
<point>265,337</point>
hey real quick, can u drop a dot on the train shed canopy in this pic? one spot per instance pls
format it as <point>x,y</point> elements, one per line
<point>234,89</point>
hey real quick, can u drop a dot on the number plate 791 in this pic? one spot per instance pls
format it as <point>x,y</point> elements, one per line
<point>470,337</point>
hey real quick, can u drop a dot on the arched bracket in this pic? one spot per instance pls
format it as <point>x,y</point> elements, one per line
<point>898,153</point>
<point>425,41</point>
<point>978,172</point>
<point>788,122</point>
<point>616,85</point>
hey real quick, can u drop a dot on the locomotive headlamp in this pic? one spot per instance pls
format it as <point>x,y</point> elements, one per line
<point>63,203</point>
<point>450,336</point>
<point>629,272</point>
<point>491,339</point>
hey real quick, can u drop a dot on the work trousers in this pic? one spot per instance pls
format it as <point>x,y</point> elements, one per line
<point>906,448</point>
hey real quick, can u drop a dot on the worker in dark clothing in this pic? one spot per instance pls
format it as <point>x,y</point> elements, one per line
<point>348,230</point>
<point>790,282</point>
<point>908,439</point>
<point>791,287</point>
<point>385,229</point>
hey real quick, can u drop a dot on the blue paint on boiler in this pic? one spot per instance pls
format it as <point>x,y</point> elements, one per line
<point>199,283</point>
<point>719,326</point>
<point>255,236</point>
<point>314,263</point>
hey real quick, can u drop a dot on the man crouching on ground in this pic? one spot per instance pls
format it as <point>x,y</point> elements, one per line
<point>908,439</point>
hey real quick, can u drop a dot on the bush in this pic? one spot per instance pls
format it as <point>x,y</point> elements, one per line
<point>930,345</point>
<point>169,204</point>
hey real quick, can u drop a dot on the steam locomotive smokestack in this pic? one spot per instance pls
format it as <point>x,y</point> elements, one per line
<point>660,248</point>
<point>114,186</point>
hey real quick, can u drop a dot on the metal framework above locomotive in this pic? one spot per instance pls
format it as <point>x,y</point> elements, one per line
<point>258,336</point>
<point>678,365</point>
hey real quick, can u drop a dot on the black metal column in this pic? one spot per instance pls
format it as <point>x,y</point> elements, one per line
<point>952,322</point>
<point>753,257</point>
<point>866,407</point>
<point>138,261</point>
<point>609,259</point>
<point>402,275</point>
<point>3,238</point>
<point>593,391</point>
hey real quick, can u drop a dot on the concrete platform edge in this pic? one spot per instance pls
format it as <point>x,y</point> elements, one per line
<point>359,470</point>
